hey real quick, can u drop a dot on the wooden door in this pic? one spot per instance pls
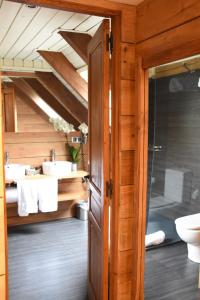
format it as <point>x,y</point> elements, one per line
<point>98,162</point>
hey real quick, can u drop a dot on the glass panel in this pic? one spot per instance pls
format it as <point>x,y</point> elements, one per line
<point>173,182</point>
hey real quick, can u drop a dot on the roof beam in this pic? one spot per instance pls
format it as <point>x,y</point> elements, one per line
<point>63,95</point>
<point>17,74</point>
<point>66,70</point>
<point>24,87</point>
<point>78,41</point>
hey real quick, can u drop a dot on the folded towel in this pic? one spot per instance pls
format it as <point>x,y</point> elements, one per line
<point>48,194</point>
<point>37,191</point>
<point>155,238</point>
<point>11,195</point>
<point>27,197</point>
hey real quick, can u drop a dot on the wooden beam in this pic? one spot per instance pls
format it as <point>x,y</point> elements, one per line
<point>63,95</point>
<point>78,41</point>
<point>17,74</point>
<point>155,16</point>
<point>67,71</point>
<point>9,109</point>
<point>50,100</point>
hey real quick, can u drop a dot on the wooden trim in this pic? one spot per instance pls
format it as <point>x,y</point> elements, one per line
<point>177,43</point>
<point>18,74</point>
<point>141,162</point>
<point>123,27</point>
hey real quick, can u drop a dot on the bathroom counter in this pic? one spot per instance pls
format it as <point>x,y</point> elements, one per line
<point>78,174</point>
<point>71,190</point>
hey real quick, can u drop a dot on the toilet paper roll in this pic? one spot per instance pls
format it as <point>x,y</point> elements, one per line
<point>155,238</point>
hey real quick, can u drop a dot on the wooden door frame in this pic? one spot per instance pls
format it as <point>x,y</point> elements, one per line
<point>123,26</point>
<point>163,48</point>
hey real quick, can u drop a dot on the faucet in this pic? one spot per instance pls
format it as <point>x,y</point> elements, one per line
<point>6,157</point>
<point>53,154</point>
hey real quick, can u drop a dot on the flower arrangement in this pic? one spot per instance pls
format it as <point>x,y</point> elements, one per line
<point>61,125</point>
<point>83,128</point>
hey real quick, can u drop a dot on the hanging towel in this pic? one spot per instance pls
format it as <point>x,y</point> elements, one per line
<point>48,194</point>
<point>27,197</point>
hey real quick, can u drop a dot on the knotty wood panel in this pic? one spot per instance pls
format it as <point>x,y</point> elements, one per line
<point>127,132</point>
<point>127,61</point>
<point>126,236</point>
<point>127,172</point>
<point>155,16</point>
<point>127,202</point>
<point>128,105</point>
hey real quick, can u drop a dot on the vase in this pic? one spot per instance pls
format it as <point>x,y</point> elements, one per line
<point>74,167</point>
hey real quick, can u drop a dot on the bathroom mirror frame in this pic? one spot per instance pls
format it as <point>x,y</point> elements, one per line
<point>164,47</point>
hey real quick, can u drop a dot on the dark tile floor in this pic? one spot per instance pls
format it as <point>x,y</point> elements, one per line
<point>169,275</point>
<point>48,261</point>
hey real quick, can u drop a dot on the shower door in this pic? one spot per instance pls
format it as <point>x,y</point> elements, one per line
<point>174,151</point>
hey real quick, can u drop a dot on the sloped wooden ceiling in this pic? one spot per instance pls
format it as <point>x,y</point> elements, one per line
<point>25,30</point>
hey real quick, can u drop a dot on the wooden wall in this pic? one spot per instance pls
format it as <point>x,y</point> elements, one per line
<point>3,230</point>
<point>166,31</point>
<point>29,120</point>
<point>33,148</point>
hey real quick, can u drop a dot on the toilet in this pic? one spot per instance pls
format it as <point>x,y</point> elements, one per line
<point>188,228</point>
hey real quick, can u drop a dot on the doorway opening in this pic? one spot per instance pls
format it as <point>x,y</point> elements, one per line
<point>173,178</point>
<point>40,54</point>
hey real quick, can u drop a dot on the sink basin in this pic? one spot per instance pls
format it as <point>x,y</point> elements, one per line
<point>57,168</point>
<point>15,171</point>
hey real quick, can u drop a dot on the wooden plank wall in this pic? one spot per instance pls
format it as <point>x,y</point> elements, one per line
<point>127,263</point>
<point>28,120</point>
<point>3,230</point>
<point>166,31</point>
<point>32,148</point>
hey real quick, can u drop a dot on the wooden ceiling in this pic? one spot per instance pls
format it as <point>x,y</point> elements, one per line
<point>25,30</point>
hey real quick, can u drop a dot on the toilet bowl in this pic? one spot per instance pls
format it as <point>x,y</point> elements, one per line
<point>188,228</point>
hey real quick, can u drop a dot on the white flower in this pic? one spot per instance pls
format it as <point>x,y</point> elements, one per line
<point>83,128</point>
<point>61,125</point>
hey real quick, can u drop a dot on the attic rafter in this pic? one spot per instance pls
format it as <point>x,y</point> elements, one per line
<point>66,70</point>
<point>51,101</point>
<point>30,93</point>
<point>78,41</point>
<point>63,95</point>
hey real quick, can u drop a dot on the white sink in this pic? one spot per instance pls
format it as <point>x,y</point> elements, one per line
<point>15,171</point>
<point>57,168</point>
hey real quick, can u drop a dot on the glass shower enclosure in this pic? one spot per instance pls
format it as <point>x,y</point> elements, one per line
<point>173,149</point>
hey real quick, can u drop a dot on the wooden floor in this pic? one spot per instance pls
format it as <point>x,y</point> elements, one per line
<point>169,275</point>
<point>48,261</point>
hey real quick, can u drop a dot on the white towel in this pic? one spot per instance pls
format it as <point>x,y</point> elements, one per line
<point>48,194</point>
<point>155,238</point>
<point>11,195</point>
<point>27,197</point>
